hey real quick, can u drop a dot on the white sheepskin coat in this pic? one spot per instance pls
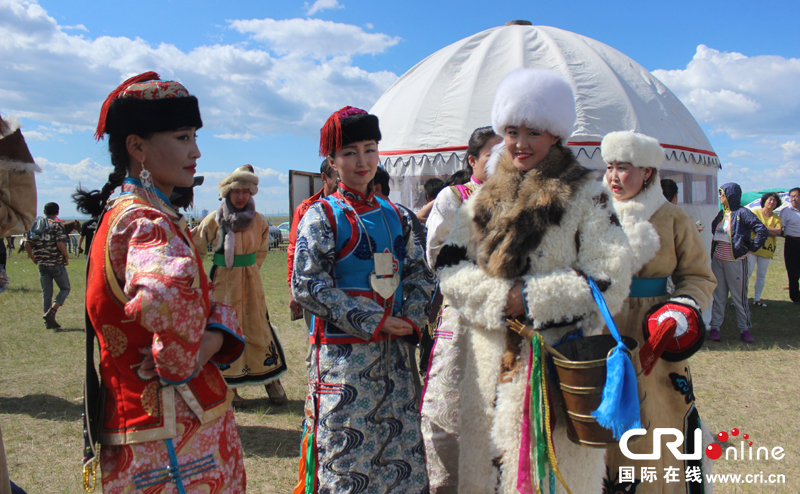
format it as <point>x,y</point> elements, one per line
<point>491,413</point>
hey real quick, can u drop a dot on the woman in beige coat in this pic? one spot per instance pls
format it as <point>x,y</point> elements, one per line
<point>240,239</point>
<point>665,243</point>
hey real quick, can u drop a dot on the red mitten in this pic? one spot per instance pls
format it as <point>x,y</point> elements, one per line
<point>655,344</point>
<point>689,330</point>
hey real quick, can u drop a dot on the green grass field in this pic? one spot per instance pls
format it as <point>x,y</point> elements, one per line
<point>751,387</point>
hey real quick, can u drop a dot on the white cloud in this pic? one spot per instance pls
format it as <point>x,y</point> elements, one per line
<point>738,153</point>
<point>322,5</point>
<point>369,25</point>
<point>58,181</point>
<point>314,37</point>
<point>32,135</point>
<point>88,172</point>
<point>247,136</point>
<point>287,78</point>
<point>791,149</point>
<point>78,27</point>
<point>739,95</point>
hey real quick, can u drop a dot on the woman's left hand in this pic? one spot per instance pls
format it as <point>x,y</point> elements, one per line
<point>209,346</point>
<point>515,307</point>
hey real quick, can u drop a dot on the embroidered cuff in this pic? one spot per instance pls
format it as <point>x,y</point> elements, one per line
<point>232,346</point>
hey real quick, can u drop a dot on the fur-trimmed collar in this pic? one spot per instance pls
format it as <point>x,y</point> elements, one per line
<point>513,210</point>
<point>634,215</point>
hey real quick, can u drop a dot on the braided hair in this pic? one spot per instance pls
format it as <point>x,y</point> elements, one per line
<point>94,202</point>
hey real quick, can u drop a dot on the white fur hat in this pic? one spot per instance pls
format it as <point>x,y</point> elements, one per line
<point>243,177</point>
<point>537,99</point>
<point>634,148</point>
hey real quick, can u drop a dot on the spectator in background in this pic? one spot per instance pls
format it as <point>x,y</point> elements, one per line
<point>87,232</point>
<point>382,189</point>
<point>790,223</point>
<point>240,238</point>
<point>329,182</point>
<point>72,240</point>
<point>759,260</point>
<point>432,187</point>
<point>670,190</point>
<point>460,177</point>
<point>732,241</point>
<point>46,247</point>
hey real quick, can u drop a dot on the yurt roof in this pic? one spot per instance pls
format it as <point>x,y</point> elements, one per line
<point>434,107</point>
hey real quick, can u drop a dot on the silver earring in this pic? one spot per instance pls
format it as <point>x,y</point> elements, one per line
<point>146,177</point>
<point>147,183</point>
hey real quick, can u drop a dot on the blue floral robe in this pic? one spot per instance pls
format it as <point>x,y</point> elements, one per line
<point>362,415</point>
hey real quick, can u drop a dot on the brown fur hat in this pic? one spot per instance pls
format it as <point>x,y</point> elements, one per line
<point>243,177</point>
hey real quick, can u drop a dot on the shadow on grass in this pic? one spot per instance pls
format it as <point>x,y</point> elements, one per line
<point>42,406</point>
<point>70,330</point>
<point>774,326</point>
<point>22,289</point>
<point>263,406</point>
<point>267,442</point>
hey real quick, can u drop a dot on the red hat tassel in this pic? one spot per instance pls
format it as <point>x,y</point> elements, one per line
<point>101,124</point>
<point>330,136</point>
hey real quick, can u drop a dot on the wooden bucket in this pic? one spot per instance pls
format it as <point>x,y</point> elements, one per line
<point>582,377</point>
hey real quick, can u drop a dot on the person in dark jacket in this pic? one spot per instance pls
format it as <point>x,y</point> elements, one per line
<point>733,228</point>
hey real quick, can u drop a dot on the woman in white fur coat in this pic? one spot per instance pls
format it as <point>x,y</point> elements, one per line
<point>665,243</point>
<point>523,245</point>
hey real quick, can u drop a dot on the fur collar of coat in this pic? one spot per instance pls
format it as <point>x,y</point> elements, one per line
<point>514,209</point>
<point>634,215</point>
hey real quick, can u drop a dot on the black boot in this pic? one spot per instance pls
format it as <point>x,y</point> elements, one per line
<point>50,318</point>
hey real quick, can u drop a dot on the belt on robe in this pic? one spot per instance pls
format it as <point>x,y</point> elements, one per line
<point>239,261</point>
<point>648,287</point>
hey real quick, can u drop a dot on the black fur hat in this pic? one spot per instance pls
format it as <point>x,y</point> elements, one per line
<point>145,104</point>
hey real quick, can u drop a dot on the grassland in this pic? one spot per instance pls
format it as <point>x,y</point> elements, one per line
<point>751,387</point>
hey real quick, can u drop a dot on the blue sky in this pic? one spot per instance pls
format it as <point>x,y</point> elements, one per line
<point>268,73</point>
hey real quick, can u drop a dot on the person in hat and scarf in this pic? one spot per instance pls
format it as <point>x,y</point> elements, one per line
<point>523,246</point>
<point>360,270</point>
<point>240,239</point>
<point>167,421</point>
<point>665,243</point>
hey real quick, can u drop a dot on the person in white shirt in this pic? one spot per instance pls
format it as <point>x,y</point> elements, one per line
<point>790,223</point>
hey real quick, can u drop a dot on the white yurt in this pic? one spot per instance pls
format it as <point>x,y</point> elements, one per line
<point>427,116</point>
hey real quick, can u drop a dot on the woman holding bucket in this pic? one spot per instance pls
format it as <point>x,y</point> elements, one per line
<point>524,245</point>
<point>665,243</point>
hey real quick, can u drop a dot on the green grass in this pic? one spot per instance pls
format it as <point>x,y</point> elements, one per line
<point>751,387</point>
